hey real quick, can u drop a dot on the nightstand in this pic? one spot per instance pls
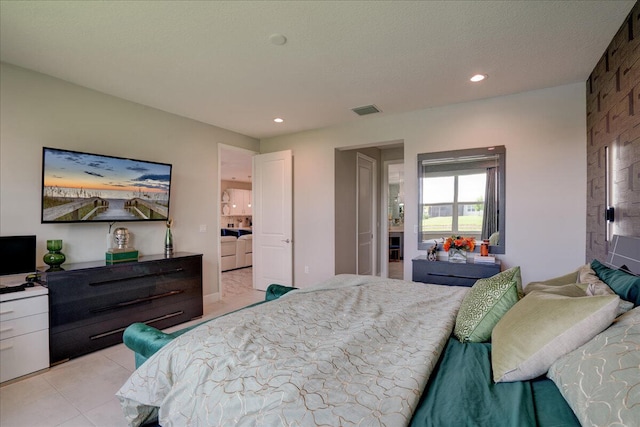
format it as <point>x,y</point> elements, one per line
<point>24,332</point>
<point>451,273</point>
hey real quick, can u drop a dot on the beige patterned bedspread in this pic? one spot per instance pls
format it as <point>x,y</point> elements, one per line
<point>357,350</point>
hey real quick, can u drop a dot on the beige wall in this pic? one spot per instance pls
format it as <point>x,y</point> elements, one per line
<point>544,134</point>
<point>38,110</point>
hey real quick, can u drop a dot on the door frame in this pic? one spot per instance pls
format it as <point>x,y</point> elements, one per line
<point>374,213</point>
<point>249,153</point>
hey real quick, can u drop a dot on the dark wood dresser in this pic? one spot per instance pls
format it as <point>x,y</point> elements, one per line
<point>451,273</point>
<point>90,304</point>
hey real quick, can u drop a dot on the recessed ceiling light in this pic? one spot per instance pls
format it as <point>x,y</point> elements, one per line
<point>478,78</point>
<point>278,120</point>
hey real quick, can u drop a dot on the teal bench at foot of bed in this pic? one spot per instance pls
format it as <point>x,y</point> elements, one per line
<point>145,340</point>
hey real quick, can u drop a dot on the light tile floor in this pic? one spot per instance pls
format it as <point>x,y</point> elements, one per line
<point>396,270</point>
<point>81,392</point>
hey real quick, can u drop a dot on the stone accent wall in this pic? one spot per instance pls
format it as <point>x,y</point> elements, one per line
<point>613,121</point>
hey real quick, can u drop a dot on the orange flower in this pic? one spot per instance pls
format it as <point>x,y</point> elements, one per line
<point>458,242</point>
<point>472,244</point>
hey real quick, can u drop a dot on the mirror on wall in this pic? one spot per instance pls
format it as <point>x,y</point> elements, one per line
<point>462,193</point>
<point>396,196</point>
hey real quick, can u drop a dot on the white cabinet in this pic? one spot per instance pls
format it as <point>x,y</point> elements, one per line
<point>240,201</point>
<point>24,333</point>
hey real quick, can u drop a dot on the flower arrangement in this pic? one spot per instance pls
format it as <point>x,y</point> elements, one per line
<point>458,242</point>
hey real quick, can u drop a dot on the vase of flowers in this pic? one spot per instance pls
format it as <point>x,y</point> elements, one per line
<point>457,247</point>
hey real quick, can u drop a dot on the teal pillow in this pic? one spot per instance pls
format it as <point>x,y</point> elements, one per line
<point>485,304</point>
<point>625,285</point>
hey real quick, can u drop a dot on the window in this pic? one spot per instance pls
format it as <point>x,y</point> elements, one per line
<point>461,193</point>
<point>453,204</point>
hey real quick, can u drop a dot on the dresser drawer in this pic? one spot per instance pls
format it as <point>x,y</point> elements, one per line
<point>16,309</point>
<point>24,325</point>
<point>90,304</point>
<point>24,354</point>
<point>449,273</point>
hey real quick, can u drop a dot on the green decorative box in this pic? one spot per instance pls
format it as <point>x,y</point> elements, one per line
<point>115,256</point>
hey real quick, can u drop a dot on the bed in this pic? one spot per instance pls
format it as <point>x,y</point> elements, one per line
<point>360,350</point>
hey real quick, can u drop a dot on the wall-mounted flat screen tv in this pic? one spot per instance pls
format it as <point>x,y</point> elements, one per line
<point>84,187</point>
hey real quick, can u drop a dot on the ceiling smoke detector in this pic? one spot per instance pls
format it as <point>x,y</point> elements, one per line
<point>367,109</point>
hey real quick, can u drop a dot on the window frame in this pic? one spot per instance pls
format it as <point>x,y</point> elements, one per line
<point>458,162</point>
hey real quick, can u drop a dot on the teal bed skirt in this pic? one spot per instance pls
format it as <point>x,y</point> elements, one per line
<point>461,392</point>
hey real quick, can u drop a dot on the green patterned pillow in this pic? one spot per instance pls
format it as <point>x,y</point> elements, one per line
<point>485,304</point>
<point>601,379</point>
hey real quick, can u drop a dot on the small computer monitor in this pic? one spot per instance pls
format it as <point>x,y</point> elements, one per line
<point>17,254</point>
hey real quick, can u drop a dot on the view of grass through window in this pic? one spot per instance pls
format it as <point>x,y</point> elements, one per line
<point>453,203</point>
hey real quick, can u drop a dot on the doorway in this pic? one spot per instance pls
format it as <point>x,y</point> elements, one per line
<point>235,219</point>
<point>346,198</point>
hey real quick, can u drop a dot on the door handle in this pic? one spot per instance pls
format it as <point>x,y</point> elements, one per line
<point>286,241</point>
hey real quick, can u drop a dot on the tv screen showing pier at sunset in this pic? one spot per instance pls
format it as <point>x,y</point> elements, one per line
<point>84,187</point>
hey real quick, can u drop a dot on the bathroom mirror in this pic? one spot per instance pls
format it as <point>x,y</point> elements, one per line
<point>462,193</point>
<point>396,196</point>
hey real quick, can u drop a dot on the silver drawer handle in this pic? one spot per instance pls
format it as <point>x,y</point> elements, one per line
<point>6,330</point>
<point>286,241</point>
<point>7,347</point>
<point>6,312</point>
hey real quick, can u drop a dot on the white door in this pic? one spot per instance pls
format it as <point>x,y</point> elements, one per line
<point>272,220</point>
<point>366,215</point>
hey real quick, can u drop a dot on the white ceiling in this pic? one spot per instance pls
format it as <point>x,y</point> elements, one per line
<point>235,164</point>
<point>212,61</point>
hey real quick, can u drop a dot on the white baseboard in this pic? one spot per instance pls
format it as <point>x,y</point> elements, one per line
<point>211,298</point>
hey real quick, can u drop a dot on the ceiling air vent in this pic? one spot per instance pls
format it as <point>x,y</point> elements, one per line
<point>367,109</point>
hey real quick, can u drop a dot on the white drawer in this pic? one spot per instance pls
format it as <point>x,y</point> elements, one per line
<point>23,355</point>
<point>23,307</point>
<point>23,325</point>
